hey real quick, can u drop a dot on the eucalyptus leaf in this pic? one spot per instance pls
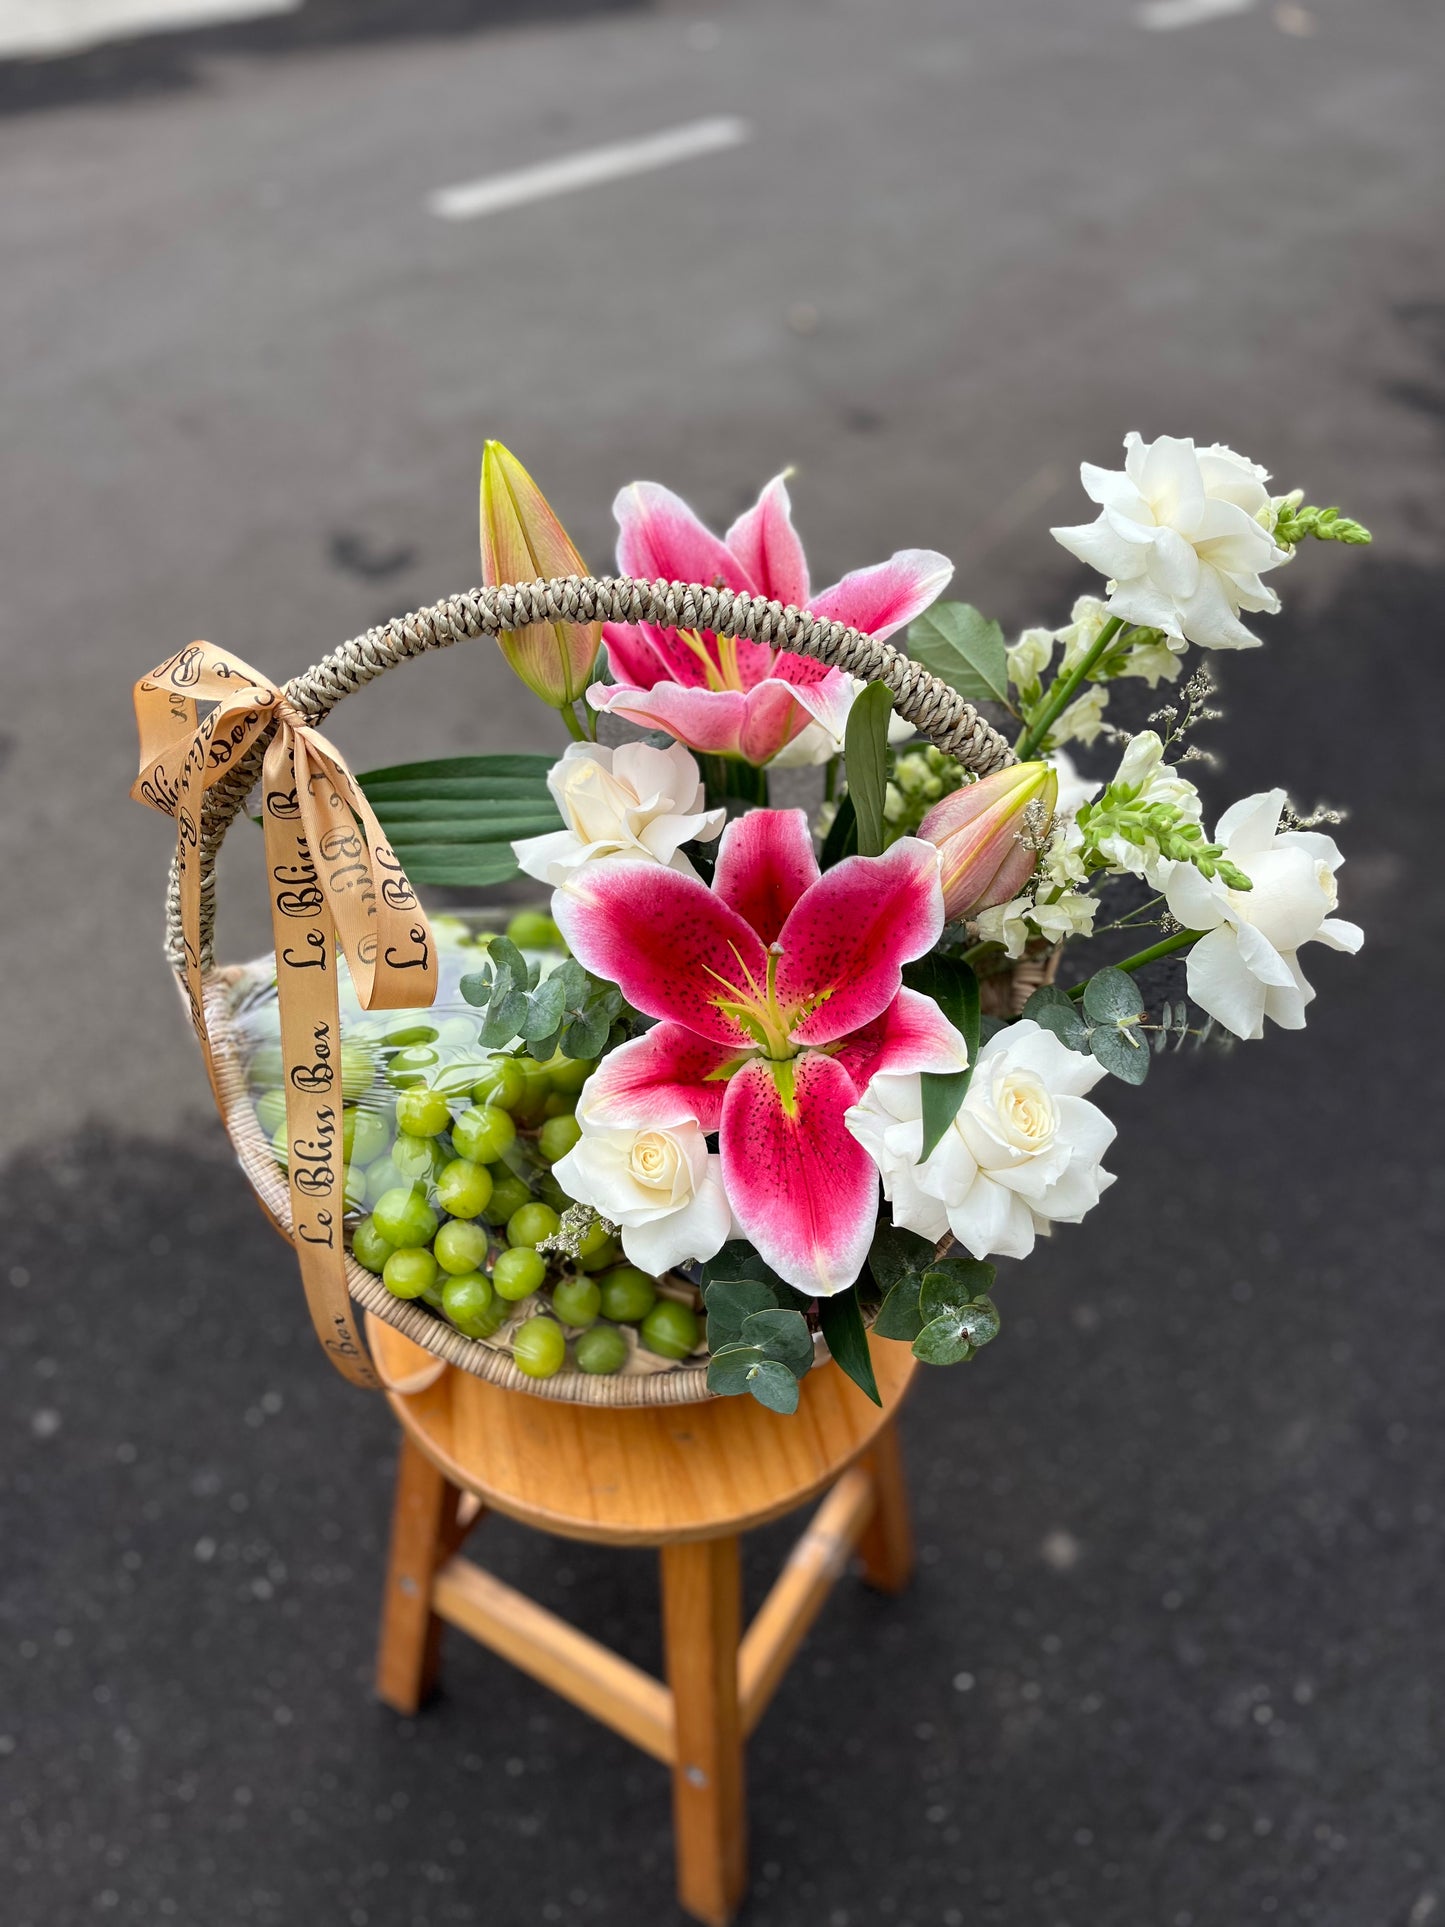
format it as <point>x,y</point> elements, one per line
<point>898,1315</point>
<point>942,1342</point>
<point>865,752</point>
<point>729,1301</point>
<point>747,1368</point>
<point>953,1284</point>
<point>1111,996</point>
<point>1054,1010</point>
<point>737,1259</point>
<point>781,1335</point>
<point>963,647</point>
<point>1125,1054</point>
<point>896,1254</point>
<point>775,1387</point>
<point>841,1318</point>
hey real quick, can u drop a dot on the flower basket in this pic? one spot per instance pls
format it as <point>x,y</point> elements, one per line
<point>225,754</point>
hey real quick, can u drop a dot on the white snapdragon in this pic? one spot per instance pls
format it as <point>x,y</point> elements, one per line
<point>1083,720</point>
<point>1022,1154</point>
<point>633,801</point>
<point>1142,769</point>
<point>661,1185</point>
<point>816,743</point>
<point>1013,923</point>
<point>1028,658</point>
<point>1246,967</point>
<point>1184,535</point>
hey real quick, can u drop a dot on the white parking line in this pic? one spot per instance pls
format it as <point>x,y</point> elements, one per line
<point>37,28</point>
<point>472,199</point>
<point>1163,16</point>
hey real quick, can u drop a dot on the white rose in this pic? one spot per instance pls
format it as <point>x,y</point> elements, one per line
<point>633,801</point>
<point>1022,1154</point>
<point>816,743</point>
<point>1181,534</point>
<point>661,1185</point>
<point>1247,967</point>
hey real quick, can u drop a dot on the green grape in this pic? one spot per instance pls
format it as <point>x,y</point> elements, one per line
<point>357,1070</point>
<point>370,1136</point>
<point>450,932</point>
<point>501,1083</point>
<point>628,1295</point>
<point>471,1305</point>
<point>409,1273</point>
<point>422,1113</point>
<point>569,1074</point>
<point>593,1239</point>
<point>539,1346</point>
<point>460,1247</point>
<point>532,1224</point>
<point>369,1248</point>
<point>407,1068</point>
<point>381,1177</point>
<point>354,1188</point>
<point>271,1111</point>
<point>509,1194</point>
<point>484,1134</point>
<point>550,1191</point>
<point>534,930</point>
<point>416,1159</point>
<point>576,1301</point>
<point>558,1104</point>
<point>557,1136</point>
<point>530,1107</point>
<point>606,1254</point>
<point>267,1066</point>
<point>518,1272</point>
<point>602,1350</point>
<point>670,1329</point>
<point>463,1188</point>
<point>404,1218</point>
<point>402,1036</point>
<point>433,1294</point>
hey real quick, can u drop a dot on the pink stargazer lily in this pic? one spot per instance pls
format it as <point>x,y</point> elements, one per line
<point>721,695</point>
<point>780,997</point>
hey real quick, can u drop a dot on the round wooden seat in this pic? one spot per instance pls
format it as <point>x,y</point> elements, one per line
<point>648,1476</point>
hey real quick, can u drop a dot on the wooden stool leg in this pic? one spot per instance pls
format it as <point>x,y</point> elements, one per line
<point>886,1547</point>
<point>423,1533</point>
<point>702,1625</point>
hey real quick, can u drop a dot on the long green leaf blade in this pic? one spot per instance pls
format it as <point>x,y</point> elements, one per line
<point>865,751</point>
<point>843,1328</point>
<point>954,988</point>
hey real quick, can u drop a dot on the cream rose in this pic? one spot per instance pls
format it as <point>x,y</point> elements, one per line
<point>660,1185</point>
<point>633,801</point>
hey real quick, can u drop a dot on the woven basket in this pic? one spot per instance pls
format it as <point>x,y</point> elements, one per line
<point>935,710</point>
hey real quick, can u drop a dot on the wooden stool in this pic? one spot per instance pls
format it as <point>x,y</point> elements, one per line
<point>687,1479</point>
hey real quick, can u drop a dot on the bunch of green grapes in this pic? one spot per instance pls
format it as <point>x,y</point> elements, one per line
<point>449,1151</point>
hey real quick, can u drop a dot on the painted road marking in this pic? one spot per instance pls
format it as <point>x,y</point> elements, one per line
<point>472,199</point>
<point>1163,16</point>
<point>37,28</point>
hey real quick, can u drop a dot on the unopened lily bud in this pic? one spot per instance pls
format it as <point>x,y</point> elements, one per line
<point>522,541</point>
<point>989,835</point>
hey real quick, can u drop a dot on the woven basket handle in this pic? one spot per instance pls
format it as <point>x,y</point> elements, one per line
<point>921,698</point>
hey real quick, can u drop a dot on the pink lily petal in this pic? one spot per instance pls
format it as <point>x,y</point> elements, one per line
<point>659,537</point>
<point>845,944</point>
<point>803,1189</point>
<point>912,1035</point>
<point>766,543</point>
<point>643,654</point>
<point>881,599</point>
<point>765,862</point>
<point>666,1076</point>
<point>665,940</point>
<point>717,722</point>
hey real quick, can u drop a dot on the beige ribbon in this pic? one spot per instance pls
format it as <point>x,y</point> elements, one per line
<point>335,881</point>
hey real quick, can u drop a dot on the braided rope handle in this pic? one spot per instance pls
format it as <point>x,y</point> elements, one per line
<point>921,698</point>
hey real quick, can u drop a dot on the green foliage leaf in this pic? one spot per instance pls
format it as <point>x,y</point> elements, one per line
<point>896,1254</point>
<point>452,821</point>
<point>782,1335</point>
<point>898,1315</point>
<point>1054,1010</point>
<point>1123,1053</point>
<point>955,1311</point>
<point>865,752</point>
<point>729,1301</point>
<point>1111,996</point>
<point>745,1368</point>
<point>954,988</point>
<point>842,837</point>
<point>963,647</point>
<point>953,1284</point>
<point>737,1259</point>
<point>570,1010</point>
<point>841,1318</point>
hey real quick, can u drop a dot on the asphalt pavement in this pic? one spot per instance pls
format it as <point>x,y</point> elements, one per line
<point>1173,1658</point>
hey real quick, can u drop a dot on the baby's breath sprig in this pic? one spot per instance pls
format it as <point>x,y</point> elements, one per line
<point>1178,719</point>
<point>1291,819</point>
<point>576,1221</point>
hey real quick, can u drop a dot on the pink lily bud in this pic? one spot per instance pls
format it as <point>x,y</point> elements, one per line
<point>522,541</point>
<point>987,834</point>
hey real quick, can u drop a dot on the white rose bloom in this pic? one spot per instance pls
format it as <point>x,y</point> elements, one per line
<point>1182,535</point>
<point>633,801</point>
<point>661,1185</point>
<point>816,744</point>
<point>1247,967</point>
<point>1022,1154</point>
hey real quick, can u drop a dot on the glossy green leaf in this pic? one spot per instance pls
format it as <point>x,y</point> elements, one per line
<point>865,752</point>
<point>954,988</point>
<point>453,821</point>
<point>963,647</point>
<point>841,1318</point>
<point>842,837</point>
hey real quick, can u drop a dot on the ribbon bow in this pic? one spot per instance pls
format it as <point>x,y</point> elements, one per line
<point>335,881</point>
